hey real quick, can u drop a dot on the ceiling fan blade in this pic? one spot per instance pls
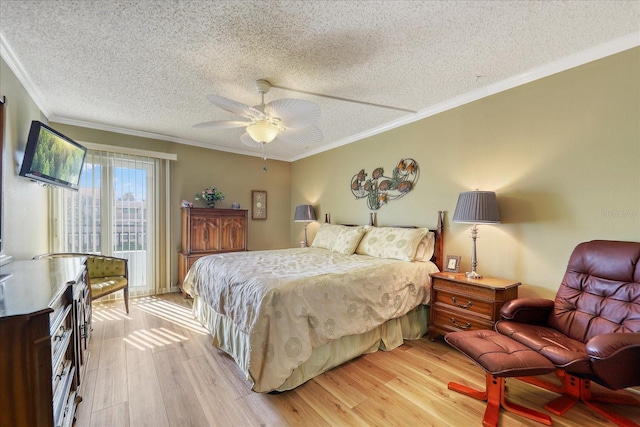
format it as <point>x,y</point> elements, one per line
<point>222,124</point>
<point>294,113</point>
<point>246,139</point>
<point>235,107</point>
<point>305,136</point>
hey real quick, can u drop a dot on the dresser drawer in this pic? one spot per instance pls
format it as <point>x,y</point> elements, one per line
<point>61,394</point>
<point>450,321</point>
<point>61,340</point>
<point>70,410</point>
<point>455,301</point>
<point>61,309</point>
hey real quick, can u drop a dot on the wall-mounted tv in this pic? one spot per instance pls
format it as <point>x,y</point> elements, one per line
<point>52,158</point>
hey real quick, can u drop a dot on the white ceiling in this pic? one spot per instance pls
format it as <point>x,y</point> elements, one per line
<point>145,67</point>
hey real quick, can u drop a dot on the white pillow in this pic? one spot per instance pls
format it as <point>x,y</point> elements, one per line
<point>327,235</point>
<point>348,240</point>
<point>426,247</point>
<point>391,242</point>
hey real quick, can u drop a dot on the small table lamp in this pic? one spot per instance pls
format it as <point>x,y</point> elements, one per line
<point>476,207</point>
<point>306,214</point>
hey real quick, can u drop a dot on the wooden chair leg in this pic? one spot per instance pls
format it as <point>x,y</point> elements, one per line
<point>594,400</point>
<point>126,298</point>
<point>574,390</point>
<point>494,395</point>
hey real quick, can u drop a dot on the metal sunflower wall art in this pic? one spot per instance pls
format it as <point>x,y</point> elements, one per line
<point>380,189</point>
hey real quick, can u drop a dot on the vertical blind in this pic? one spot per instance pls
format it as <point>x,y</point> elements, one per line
<point>120,209</point>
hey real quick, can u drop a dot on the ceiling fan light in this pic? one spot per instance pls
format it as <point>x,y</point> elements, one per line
<point>262,132</point>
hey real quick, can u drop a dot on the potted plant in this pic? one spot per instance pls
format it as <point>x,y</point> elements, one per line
<point>210,195</point>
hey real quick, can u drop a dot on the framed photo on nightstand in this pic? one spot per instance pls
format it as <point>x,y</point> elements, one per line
<point>452,264</point>
<point>258,204</point>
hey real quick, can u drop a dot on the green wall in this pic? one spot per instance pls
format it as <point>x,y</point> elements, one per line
<point>25,204</point>
<point>562,154</point>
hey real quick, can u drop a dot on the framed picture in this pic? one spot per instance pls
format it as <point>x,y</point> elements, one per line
<point>452,264</point>
<point>258,204</point>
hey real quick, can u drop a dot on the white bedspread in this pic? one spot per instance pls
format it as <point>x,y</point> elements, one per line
<point>290,301</point>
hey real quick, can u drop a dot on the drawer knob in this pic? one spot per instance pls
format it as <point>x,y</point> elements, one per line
<point>467,305</point>
<point>467,326</point>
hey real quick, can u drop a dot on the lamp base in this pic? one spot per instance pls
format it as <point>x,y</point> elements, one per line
<point>473,275</point>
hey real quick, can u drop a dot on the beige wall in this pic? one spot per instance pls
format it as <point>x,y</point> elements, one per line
<point>562,154</point>
<point>25,203</point>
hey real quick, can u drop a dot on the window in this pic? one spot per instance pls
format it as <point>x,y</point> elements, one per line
<point>120,211</point>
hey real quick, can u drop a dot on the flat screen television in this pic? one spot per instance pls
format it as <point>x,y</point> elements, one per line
<point>52,158</point>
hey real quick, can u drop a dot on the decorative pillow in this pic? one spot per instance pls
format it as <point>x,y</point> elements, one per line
<point>426,247</point>
<point>327,235</point>
<point>391,242</point>
<point>348,240</point>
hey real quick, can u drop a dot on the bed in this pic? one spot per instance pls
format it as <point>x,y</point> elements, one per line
<point>286,316</point>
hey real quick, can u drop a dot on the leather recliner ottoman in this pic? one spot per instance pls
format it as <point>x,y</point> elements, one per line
<point>500,357</point>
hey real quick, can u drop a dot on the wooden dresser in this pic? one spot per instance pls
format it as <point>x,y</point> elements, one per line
<point>44,320</point>
<point>207,231</point>
<point>459,304</point>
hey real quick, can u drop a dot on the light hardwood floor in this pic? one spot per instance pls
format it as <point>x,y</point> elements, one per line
<point>157,367</point>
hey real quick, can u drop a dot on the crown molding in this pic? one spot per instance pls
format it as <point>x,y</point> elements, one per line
<point>575,60</point>
<point>580,58</point>
<point>6,52</point>
<point>158,136</point>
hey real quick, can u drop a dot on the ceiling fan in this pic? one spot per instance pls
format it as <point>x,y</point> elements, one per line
<point>288,120</point>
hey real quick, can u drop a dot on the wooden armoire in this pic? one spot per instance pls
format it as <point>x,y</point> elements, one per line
<point>207,231</point>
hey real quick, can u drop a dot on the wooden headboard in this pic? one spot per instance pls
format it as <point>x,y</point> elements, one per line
<point>438,251</point>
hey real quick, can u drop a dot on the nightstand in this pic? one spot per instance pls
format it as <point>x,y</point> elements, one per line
<point>460,304</point>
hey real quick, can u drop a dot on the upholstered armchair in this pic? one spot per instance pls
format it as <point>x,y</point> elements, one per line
<point>591,332</point>
<point>106,274</point>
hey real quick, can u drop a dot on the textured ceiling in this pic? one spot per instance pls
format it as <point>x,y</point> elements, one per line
<point>145,67</point>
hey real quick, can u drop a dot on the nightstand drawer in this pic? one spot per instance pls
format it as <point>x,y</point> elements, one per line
<point>455,301</point>
<point>459,303</point>
<point>468,289</point>
<point>450,321</point>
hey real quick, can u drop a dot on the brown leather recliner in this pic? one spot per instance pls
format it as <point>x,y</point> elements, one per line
<point>591,332</point>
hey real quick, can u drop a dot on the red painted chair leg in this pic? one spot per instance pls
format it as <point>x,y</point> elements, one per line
<point>615,398</point>
<point>576,390</point>
<point>495,389</point>
<point>611,416</point>
<point>494,395</point>
<point>463,389</point>
<point>521,410</point>
<point>592,400</point>
<point>526,412</point>
<point>547,385</point>
<point>561,404</point>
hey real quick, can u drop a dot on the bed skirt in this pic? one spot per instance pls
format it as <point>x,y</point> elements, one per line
<point>387,336</point>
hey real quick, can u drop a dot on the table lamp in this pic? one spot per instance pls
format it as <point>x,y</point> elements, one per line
<point>476,207</point>
<point>306,214</point>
